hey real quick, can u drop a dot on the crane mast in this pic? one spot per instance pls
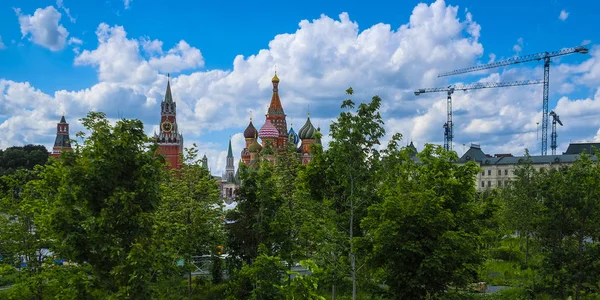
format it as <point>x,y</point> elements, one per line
<point>448,126</point>
<point>545,56</point>
<point>554,135</point>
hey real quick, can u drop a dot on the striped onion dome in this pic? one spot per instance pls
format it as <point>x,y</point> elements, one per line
<point>268,131</point>
<point>307,132</point>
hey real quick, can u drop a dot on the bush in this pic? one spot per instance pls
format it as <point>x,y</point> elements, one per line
<point>507,254</point>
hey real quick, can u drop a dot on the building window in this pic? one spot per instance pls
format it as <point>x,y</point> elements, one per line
<point>489,172</point>
<point>489,183</point>
<point>499,183</point>
<point>506,172</point>
<point>483,184</point>
<point>499,172</point>
<point>483,173</point>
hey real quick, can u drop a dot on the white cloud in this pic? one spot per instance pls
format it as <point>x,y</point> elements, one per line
<point>316,63</point>
<point>181,57</point>
<point>563,15</point>
<point>60,4</point>
<point>127,3</point>
<point>75,41</point>
<point>44,28</point>
<point>2,46</point>
<point>151,47</point>
<point>518,47</point>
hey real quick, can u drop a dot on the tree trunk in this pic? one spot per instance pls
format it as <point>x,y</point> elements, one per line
<point>352,257</point>
<point>527,250</point>
<point>333,291</point>
<point>190,285</point>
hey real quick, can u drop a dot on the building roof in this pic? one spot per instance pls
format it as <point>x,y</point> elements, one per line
<point>477,155</point>
<point>307,131</point>
<point>229,152</point>
<point>62,141</point>
<point>268,130</point>
<point>63,120</point>
<point>250,132</point>
<point>293,136</point>
<point>168,95</point>
<point>578,148</point>
<point>275,107</point>
<point>254,146</point>
<point>473,154</point>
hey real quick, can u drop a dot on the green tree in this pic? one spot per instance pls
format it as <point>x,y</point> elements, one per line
<point>568,229</point>
<point>22,157</point>
<point>258,200</point>
<point>425,233</point>
<point>188,220</point>
<point>353,165</point>
<point>101,210</point>
<point>22,243</point>
<point>260,280</point>
<point>522,208</point>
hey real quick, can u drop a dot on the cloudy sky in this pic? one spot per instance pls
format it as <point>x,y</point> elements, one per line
<point>113,56</point>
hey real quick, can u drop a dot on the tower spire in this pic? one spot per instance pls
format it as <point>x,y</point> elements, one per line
<point>168,95</point>
<point>229,151</point>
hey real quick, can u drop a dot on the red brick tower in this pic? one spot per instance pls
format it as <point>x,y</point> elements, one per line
<point>169,139</point>
<point>62,141</point>
<point>277,116</point>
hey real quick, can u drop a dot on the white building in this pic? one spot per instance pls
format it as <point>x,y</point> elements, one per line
<point>498,169</point>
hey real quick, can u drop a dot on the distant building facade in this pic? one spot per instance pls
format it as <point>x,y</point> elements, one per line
<point>62,141</point>
<point>499,169</point>
<point>229,181</point>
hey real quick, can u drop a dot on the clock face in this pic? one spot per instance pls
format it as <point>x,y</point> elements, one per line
<point>167,126</point>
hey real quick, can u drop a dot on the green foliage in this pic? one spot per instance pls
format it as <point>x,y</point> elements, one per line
<point>303,286</point>
<point>102,199</point>
<point>507,254</point>
<point>367,222</point>
<point>25,157</point>
<point>424,234</point>
<point>260,280</point>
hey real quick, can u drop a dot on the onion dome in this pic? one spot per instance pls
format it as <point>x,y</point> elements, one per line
<point>319,139</point>
<point>250,131</point>
<point>293,136</point>
<point>254,146</point>
<point>268,131</point>
<point>275,78</point>
<point>307,132</point>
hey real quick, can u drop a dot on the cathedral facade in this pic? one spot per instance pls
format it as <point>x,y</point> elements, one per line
<point>274,135</point>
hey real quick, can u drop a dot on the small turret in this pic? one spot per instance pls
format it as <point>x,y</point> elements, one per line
<point>62,141</point>
<point>205,161</point>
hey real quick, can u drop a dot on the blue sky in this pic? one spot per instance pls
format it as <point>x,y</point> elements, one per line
<point>216,97</point>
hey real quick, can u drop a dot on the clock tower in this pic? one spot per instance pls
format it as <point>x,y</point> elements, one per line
<point>169,139</point>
